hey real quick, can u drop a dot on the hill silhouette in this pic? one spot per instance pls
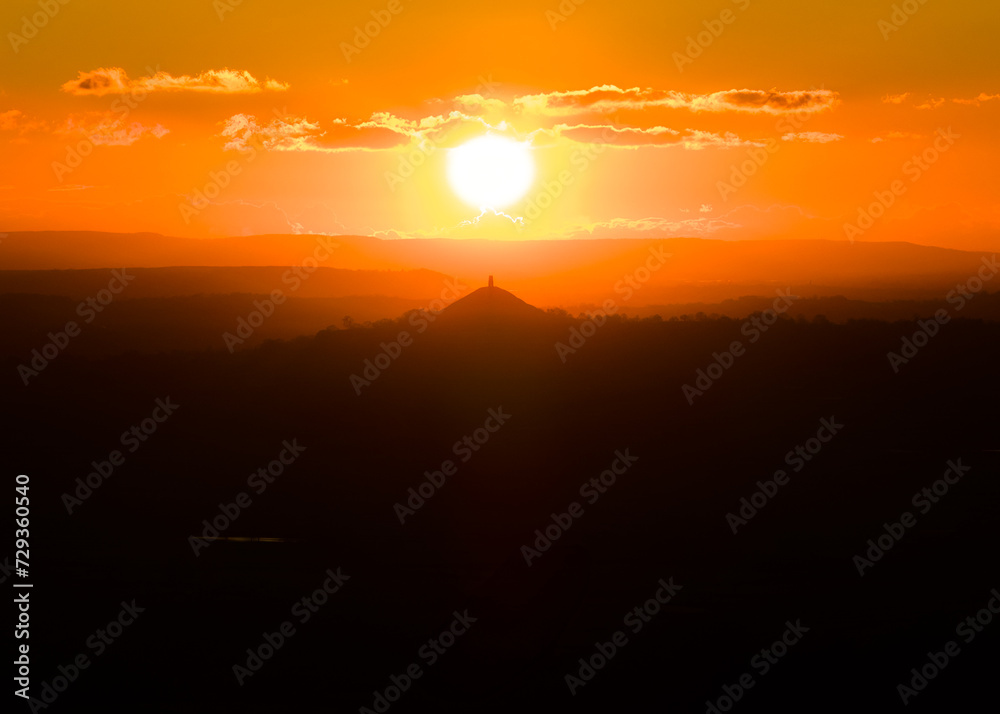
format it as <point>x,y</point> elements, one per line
<point>489,306</point>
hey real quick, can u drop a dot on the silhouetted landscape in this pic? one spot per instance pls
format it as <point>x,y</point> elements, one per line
<point>534,472</point>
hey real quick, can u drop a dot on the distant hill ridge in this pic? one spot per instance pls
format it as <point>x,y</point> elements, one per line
<point>546,272</point>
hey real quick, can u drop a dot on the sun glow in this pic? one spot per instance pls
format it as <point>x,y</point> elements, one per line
<point>491,171</point>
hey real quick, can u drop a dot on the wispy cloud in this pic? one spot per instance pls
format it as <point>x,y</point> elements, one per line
<point>896,136</point>
<point>114,80</point>
<point>16,120</point>
<point>636,137</point>
<point>9,120</point>
<point>109,129</point>
<point>478,104</point>
<point>812,137</point>
<point>930,102</point>
<point>977,101</point>
<point>383,130</point>
<point>608,99</point>
<point>895,98</point>
<point>622,227</point>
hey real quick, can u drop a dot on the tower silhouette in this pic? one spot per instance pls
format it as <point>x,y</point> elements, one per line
<point>491,281</point>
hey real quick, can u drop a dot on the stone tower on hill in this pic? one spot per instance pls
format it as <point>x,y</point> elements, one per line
<point>490,306</point>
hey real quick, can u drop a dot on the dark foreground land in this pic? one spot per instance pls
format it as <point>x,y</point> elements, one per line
<point>889,435</point>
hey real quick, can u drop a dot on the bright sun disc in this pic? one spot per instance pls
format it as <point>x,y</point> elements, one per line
<point>490,172</point>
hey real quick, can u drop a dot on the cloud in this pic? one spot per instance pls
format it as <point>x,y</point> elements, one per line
<point>10,120</point>
<point>108,129</point>
<point>697,140</point>
<point>71,187</point>
<point>608,98</point>
<point>622,137</point>
<point>896,136</point>
<point>635,137</point>
<point>114,80</point>
<point>770,102</point>
<point>102,128</point>
<point>16,120</point>
<point>976,101</point>
<point>812,137</point>
<point>490,224</point>
<point>747,221</point>
<point>425,127</point>
<point>478,104</point>
<point>244,133</point>
<point>938,102</point>
<point>382,130</point>
<point>616,227</point>
<point>496,225</point>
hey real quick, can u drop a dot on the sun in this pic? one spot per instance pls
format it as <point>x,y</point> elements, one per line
<point>491,171</point>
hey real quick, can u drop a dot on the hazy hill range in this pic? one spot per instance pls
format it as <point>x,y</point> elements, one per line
<point>545,273</point>
<point>325,282</point>
<point>294,281</point>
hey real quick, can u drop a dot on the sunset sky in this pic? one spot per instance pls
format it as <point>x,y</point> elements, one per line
<point>196,118</point>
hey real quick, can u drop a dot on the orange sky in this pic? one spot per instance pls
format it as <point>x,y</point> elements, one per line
<point>278,112</point>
